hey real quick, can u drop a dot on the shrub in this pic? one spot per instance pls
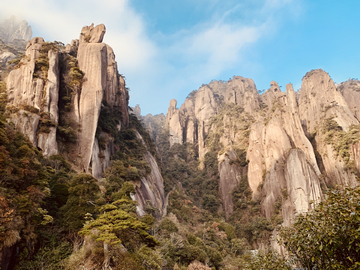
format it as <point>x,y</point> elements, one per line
<point>269,260</point>
<point>167,224</point>
<point>327,237</point>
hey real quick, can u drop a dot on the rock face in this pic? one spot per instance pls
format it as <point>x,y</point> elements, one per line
<point>92,59</point>
<point>13,29</point>
<point>35,97</point>
<point>230,176</point>
<point>351,93</point>
<point>320,100</point>
<point>271,153</point>
<point>191,123</point>
<point>38,98</point>
<point>150,192</point>
<point>101,83</point>
<point>35,91</point>
<point>289,156</point>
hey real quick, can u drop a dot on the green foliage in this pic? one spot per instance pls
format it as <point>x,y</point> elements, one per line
<point>51,254</point>
<point>42,62</point>
<point>168,225</point>
<point>211,203</point>
<point>83,192</point>
<point>134,122</point>
<point>3,97</point>
<point>24,182</point>
<point>14,62</point>
<point>45,123</point>
<point>327,237</point>
<point>249,222</point>
<point>31,109</point>
<point>76,75</point>
<point>109,119</point>
<point>70,83</point>
<point>149,259</point>
<point>66,134</point>
<point>340,140</point>
<point>269,260</point>
<point>117,226</point>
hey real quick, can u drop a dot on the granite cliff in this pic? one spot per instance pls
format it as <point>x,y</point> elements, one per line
<point>289,146</point>
<point>71,100</point>
<point>14,35</point>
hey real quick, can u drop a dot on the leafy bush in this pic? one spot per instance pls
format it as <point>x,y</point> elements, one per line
<point>340,140</point>
<point>327,237</point>
<point>167,224</point>
<point>269,260</point>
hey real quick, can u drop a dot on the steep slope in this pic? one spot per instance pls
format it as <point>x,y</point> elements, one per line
<point>73,101</point>
<point>288,149</point>
<point>323,109</point>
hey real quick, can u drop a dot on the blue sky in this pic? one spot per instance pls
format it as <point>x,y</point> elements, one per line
<point>167,48</point>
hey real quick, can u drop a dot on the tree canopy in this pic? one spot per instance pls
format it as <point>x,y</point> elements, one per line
<point>327,237</point>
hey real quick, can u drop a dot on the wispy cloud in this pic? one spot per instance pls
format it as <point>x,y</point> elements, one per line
<point>63,20</point>
<point>159,66</point>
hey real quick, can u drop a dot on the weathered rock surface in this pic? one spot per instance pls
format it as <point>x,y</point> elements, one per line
<point>173,120</point>
<point>33,94</point>
<point>320,100</point>
<point>91,34</point>
<point>283,163</point>
<point>12,29</point>
<point>191,123</point>
<point>230,176</point>
<point>242,91</point>
<point>151,188</point>
<point>6,56</point>
<point>351,93</point>
<point>101,86</point>
<point>154,124</point>
<point>101,82</point>
<point>92,58</point>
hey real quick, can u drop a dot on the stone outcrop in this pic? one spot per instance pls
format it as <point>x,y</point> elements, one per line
<point>6,56</point>
<point>155,124</point>
<point>191,122</point>
<point>320,100</point>
<point>35,97</point>
<point>150,190</point>
<point>101,83</point>
<point>34,107</point>
<point>230,176</point>
<point>92,59</point>
<point>38,97</point>
<point>13,29</point>
<point>173,120</point>
<point>91,34</point>
<point>271,153</point>
<point>288,158</point>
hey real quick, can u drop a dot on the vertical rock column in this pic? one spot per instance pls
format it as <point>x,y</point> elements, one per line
<point>92,59</point>
<point>47,141</point>
<point>31,94</point>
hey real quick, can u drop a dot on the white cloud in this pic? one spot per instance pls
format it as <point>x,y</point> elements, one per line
<point>63,20</point>
<point>163,66</point>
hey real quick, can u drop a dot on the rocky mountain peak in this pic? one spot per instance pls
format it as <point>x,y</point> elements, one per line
<point>91,34</point>
<point>13,29</point>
